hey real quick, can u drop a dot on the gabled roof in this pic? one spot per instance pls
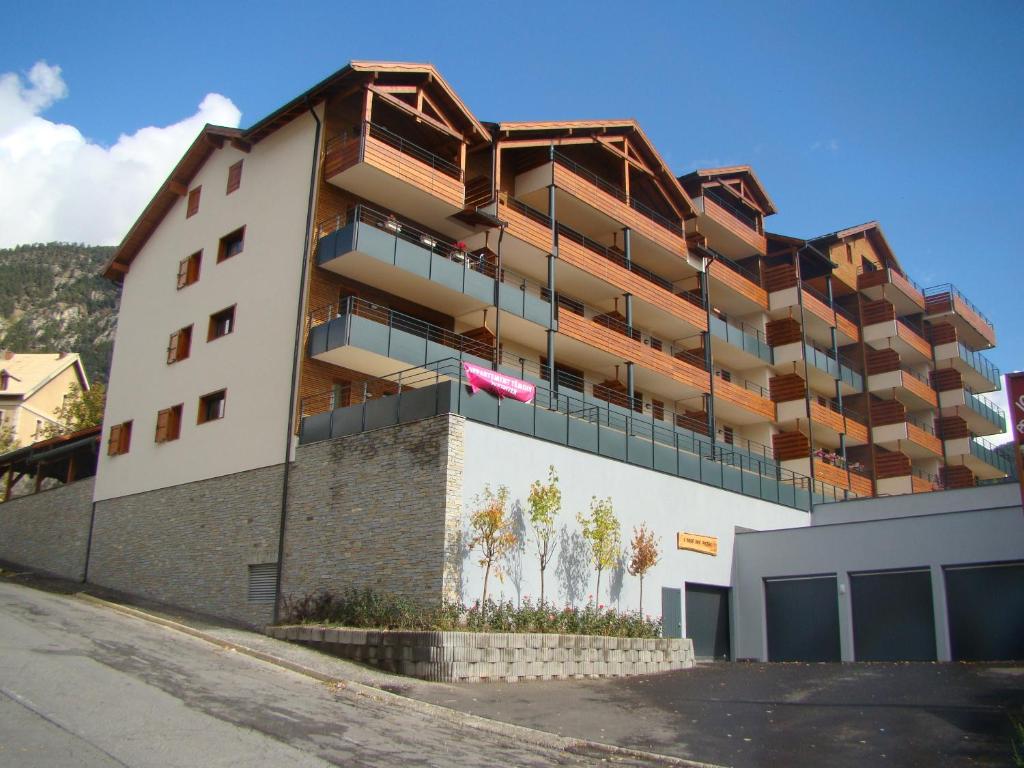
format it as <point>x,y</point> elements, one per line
<point>28,373</point>
<point>606,129</point>
<point>745,172</point>
<point>871,230</point>
<point>213,137</point>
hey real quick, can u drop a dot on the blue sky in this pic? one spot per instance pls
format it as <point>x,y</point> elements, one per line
<point>908,113</point>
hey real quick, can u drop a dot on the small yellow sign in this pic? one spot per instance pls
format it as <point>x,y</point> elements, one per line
<point>696,542</point>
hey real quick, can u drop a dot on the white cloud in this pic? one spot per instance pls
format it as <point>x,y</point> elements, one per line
<point>55,184</point>
<point>827,145</point>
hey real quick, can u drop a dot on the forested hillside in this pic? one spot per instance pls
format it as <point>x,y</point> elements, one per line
<point>53,299</point>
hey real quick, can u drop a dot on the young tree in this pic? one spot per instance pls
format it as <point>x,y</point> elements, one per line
<point>545,502</point>
<point>644,555</point>
<point>490,531</point>
<point>601,530</point>
<point>8,440</point>
<point>80,409</point>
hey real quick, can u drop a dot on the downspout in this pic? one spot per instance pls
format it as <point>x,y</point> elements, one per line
<point>839,381</point>
<point>296,352</point>
<point>497,302</point>
<point>708,357</point>
<point>552,298</point>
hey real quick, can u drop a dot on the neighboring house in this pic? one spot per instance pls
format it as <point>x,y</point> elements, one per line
<point>33,387</point>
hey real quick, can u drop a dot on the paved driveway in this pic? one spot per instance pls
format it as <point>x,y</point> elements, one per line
<point>775,715</point>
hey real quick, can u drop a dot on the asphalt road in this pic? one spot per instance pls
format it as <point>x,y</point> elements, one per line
<point>84,686</point>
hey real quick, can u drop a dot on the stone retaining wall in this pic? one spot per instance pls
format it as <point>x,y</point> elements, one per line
<point>478,656</point>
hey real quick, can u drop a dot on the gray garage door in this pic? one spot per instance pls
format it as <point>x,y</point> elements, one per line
<point>893,617</point>
<point>986,612</point>
<point>707,620</point>
<point>802,616</point>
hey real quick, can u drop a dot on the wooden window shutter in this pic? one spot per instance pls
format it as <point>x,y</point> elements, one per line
<point>114,443</point>
<point>193,202</point>
<point>183,269</point>
<point>172,347</point>
<point>163,419</point>
<point>234,177</point>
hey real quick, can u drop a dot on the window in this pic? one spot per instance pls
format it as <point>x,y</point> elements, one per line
<point>727,435</point>
<point>211,406</point>
<point>168,424</point>
<point>849,253</point>
<point>188,269</point>
<point>120,439</point>
<point>234,177</point>
<point>179,345</point>
<point>193,202</point>
<point>231,245</point>
<point>39,430</point>
<point>221,323</point>
<point>726,375</point>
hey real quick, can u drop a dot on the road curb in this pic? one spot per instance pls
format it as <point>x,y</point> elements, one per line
<point>455,717</point>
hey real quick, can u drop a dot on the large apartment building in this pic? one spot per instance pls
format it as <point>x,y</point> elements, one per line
<point>660,320</point>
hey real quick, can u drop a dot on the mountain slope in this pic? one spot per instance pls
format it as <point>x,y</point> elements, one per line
<point>53,299</point>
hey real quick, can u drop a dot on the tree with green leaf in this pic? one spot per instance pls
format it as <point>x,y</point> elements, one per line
<point>81,408</point>
<point>602,532</point>
<point>545,502</point>
<point>644,555</point>
<point>491,532</point>
<point>8,440</point>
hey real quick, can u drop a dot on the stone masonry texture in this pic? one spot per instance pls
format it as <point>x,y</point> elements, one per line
<point>191,545</point>
<point>48,531</point>
<point>471,657</point>
<point>376,510</point>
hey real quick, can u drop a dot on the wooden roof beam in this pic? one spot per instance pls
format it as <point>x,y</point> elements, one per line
<point>412,111</point>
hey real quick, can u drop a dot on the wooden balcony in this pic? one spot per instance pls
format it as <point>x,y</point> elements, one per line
<point>742,284</point>
<point>688,379</point>
<point>727,231</point>
<point>379,165</point>
<point>752,402</point>
<point>972,326</point>
<point>839,477</point>
<point>889,284</point>
<point>905,387</point>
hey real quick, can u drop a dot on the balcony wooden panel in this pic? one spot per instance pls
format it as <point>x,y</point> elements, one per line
<point>745,398</point>
<point>583,258</point>
<point>856,432</point>
<point>839,477</point>
<point>942,303</point>
<point>924,439</point>
<point>779,278</point>
<point>596,335</point>
<point>884,277</point>
<point>946,379</point>
<point>957,476</point>
<point>788,386</point>
<point>917,387</point>
<point>402,166</point>
<point>952,428</point>
<point>612,206</point>
<point>790,445</point>
<point>847,327</point>
<point>824,415</point>
<point>818,308</point>
<point>943,333</point>
<point>861,485</point>
<point>880,311</point>
<point>738,283</point>
<point>914,339</point>
<point>786,330</point>
<point>526,229</point>
<point>921,484</point>
<point>882,360</point>
<point>891,465</point>
<point>724,218</point>
<point>887,412</point>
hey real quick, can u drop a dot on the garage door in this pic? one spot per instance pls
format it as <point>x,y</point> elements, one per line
<point>707,620</point>
<point>986,612</point>
<point>893,616</point>
<point>802,617</point>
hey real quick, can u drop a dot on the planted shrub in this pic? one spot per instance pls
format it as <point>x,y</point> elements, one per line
<point>368,609</point>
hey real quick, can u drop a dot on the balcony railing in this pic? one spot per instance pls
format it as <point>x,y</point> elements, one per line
<point>746,337</point>
<point>953,291</point>
<point>825,360</point>
<point>675,227</point>
<point>989,453</point>
<point>981,364</point>
<point>567,420</point>
<point>742,271</point>
<point>353,306</point>
<point>984,407</point>
<point>724,200</point>
<point>750,386</point>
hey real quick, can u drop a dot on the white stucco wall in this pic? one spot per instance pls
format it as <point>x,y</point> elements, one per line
<point>906,540</point>
<point>960,500</point>
<point>254,363</point>
<point>667,504</point>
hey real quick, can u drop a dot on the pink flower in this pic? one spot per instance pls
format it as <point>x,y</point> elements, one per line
<point>600,607</point>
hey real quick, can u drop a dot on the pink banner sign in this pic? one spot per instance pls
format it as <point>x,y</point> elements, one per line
<point>498,383</point>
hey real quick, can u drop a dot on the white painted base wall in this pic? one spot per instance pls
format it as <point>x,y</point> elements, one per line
<point>667,504</point>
